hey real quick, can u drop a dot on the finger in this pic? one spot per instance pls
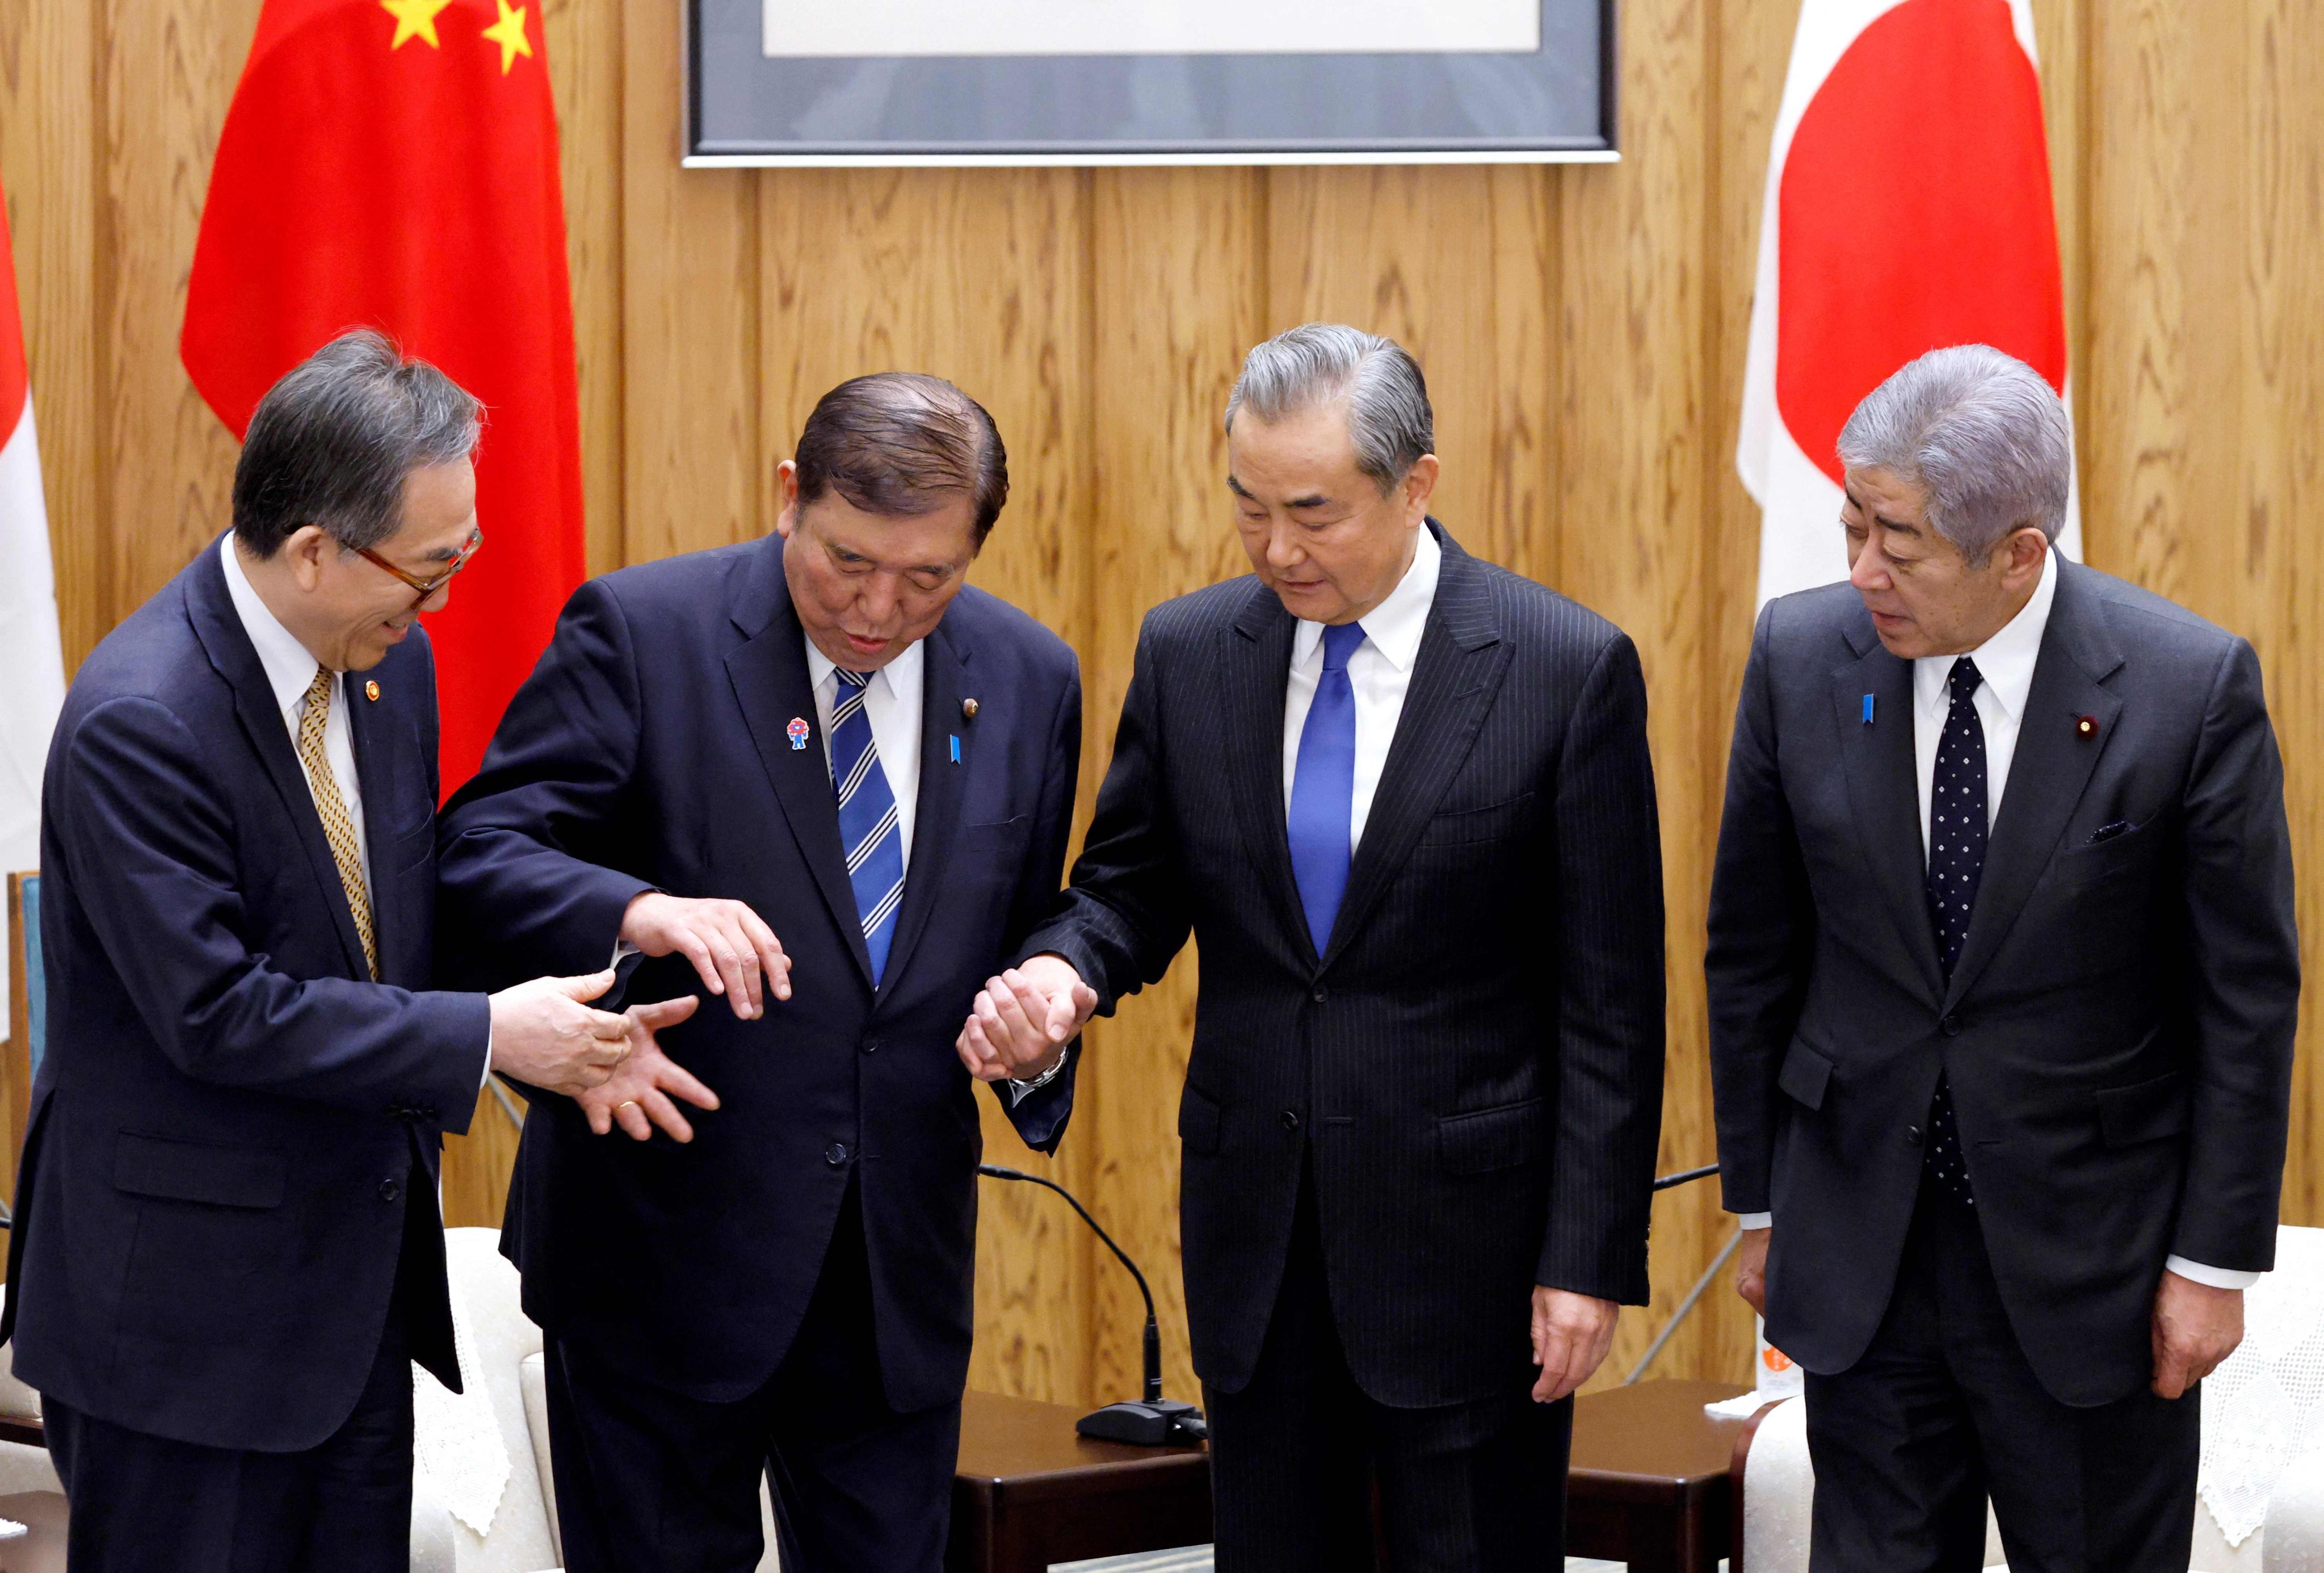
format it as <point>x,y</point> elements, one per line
<point>746,961</point>
<point>983,1060</point>
<point>633,1120</point>
<point>586,986</point>
<point>691,946</point>
<point>729,971</point>
<point>770,949</point>
<point>1062,1019</point>
<point>669,1012</point>
<point>987,1032</point>
<point>607,1027</point>
<point>665,1114</point>
<point>1016,1034</point>
<point>1084,1004</point>
<point>600,1121</point>
<point>669,1077</point>
<point>1033,1003</point>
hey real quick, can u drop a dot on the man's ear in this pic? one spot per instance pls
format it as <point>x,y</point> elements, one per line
<point>1420,484</point>
<point>787,490</point>
<point>2026,546</point>
<point>304,554</point>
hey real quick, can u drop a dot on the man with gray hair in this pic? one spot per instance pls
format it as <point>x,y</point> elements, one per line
<point>227,1250</point>
<point>1403,799</point>
<point>2002,1085</point>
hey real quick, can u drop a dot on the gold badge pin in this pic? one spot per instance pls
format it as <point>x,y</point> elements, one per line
<point>371,690</point>
<point>968,708</point>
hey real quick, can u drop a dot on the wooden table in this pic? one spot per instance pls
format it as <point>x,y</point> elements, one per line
<point>1648,1484</point>
<point>1029,1492</point>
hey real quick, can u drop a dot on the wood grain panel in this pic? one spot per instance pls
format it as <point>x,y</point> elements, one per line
<point>583,48</point>
<point>979,277</point>
<point>1179,265</point>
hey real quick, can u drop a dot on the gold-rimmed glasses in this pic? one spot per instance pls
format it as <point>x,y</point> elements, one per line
<point>427,588</point>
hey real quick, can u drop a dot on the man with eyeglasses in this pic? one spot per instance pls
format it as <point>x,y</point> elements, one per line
<point>227,1251</point>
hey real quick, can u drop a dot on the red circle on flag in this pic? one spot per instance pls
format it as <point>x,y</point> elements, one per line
<point>14,387</point>
<point>1915,213</point>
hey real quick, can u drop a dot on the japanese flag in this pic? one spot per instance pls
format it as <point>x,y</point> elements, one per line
<point>30,652</point>
<point>1908,207</point>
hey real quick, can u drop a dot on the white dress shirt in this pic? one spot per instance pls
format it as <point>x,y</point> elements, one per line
<point>1379,672</point>
<point>891,700</point>
<point>291,668</point>
<point>2006,661</point>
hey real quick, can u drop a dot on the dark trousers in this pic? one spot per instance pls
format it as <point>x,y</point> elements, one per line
<point>1943,1410</point>
<point>1298,1453</point>
<point>143,1504</point>
<point>647,1479</point>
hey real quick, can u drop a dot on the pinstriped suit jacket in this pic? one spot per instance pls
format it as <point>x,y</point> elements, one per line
<point>1475,1062</point>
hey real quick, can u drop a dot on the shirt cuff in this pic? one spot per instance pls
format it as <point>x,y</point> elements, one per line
<point>1755,1220</point>
<point>1019,1091</point>
<point>487,1074</point>
<point>2214,1277</point>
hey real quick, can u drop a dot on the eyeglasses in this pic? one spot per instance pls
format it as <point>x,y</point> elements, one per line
<point>427,588</point>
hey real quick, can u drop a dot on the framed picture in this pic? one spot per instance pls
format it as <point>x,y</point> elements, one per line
<point>838,82</point>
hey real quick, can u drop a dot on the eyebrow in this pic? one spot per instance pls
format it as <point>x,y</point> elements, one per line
<point>1239,489</point>
<point>1886,523</point>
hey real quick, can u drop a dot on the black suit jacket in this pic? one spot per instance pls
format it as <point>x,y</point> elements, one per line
<point>1476,1059</point>
<point>2117,1031</point>
<point>648,752</point>
<point>231,1119</point>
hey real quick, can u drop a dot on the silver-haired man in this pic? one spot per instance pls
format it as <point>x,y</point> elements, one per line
<point>1403,799</point>
<point>2003,978</point>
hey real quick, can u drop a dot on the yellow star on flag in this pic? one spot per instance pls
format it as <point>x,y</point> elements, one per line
<point>414,19</point>
<point>508,33</point>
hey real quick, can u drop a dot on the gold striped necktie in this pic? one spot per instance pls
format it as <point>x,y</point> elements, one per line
<point>338,830</point>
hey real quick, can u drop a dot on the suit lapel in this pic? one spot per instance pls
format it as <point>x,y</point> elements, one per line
<point>936,816</point>
<point>1254,671</point>
<point>1458,670</point>
<point>770,674</point>
<point>219,626</point>
<point>2047,773</point>
<point>1884,790</point>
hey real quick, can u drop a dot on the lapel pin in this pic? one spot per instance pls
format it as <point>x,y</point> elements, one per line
<point>371,691</point>
<point>2087,726</point>
<point>797,733</point>
<point>1868,709</point>
<point>955,748</point>
<point>968,709</point>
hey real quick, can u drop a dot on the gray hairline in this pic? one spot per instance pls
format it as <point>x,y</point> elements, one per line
<point>1375,379</point>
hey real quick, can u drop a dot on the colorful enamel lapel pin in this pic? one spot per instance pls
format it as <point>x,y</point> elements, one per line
<point>955,748</point>
<point>371,691</point>
<point>2086,725</point>
<point>797,733</point>
<point>1868,709</point>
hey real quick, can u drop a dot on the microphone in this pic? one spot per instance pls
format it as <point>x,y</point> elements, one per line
<point>1153,1420</point>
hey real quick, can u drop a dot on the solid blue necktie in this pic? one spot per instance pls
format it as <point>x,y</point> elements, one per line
<point>1324,787</point>
<point>1956,837</point>
<point>868,830</point>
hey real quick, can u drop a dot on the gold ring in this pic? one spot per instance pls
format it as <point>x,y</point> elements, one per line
<point>627,1103</point>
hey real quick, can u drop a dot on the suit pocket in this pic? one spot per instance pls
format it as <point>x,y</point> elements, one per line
<point>2145,1111</point>
<point>202,1171</point>
<point>1509,1137</point>
<point>1494,823</point>
<point>1805,1075</point>
<point>2087,865</point>
<point>1199,1118</point>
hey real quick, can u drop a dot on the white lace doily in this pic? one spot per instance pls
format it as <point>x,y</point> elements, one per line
<point>456,1438</point>
<point>2264,1407</point>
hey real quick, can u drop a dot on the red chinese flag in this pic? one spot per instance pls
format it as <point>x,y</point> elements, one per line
<point>393,164</point>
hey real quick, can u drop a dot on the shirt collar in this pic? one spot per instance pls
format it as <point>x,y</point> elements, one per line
<point>1393,627</point>
<point>290,666</point>
<point>2006,660</point>
<point>903,672</point>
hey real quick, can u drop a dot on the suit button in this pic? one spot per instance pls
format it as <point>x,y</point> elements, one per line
<point>835,1155</point>
<point>1950,1026</point>
<point>1290,1121</point>
<point>1322,993</point>
<point>1912,1136</point>
<point>389,1190</point>
<point>872,1045</point>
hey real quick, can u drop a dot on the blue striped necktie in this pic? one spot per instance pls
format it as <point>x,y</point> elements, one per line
<point>868,830</point>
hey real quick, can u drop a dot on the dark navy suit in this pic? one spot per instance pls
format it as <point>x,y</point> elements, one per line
<point>234,1134</point>
<point>835,1188</point>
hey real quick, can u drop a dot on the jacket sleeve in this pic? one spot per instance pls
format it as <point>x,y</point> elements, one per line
<point>1609,1050</point>
<point>150,853</point>
<point>522,889</point>
<point>1040,1115</point>
<point>1761,941</point>
<point>1127,913</point>
<point>2243,947</point>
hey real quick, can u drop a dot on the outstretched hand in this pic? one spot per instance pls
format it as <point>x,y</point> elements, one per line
<point>639,1094</point>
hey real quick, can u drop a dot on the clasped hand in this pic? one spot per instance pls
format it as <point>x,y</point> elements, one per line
<point>1023,1019</point>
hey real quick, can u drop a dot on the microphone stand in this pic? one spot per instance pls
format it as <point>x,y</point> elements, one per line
<point>1153,1420</point>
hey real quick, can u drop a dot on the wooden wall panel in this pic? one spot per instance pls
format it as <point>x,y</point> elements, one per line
<point>1583,333</point>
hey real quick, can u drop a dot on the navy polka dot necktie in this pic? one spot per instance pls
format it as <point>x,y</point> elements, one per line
<point>1957,832</point>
